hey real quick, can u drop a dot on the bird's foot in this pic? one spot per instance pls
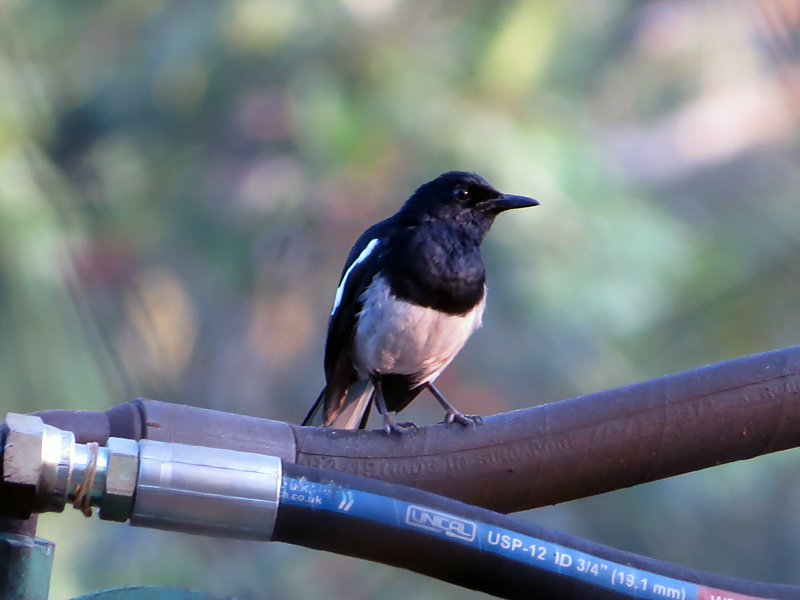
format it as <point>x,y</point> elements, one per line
<point>451,414</point>
<point>390,425</point>
<point>465,420</point>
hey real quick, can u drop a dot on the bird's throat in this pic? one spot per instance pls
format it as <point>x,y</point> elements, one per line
<point>439,268</point>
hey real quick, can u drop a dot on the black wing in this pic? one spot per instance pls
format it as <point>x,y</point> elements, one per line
<point>362,265</point>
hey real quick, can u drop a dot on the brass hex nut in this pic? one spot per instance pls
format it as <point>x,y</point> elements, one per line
<point>37,457</point>
<point>122,474</point>
<point>22,456</point>
<point>22,464</point>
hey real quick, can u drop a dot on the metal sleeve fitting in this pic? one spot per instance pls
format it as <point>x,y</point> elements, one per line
<point>207,491</point>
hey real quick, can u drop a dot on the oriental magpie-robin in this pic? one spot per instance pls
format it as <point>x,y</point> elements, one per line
<point>411,293</point>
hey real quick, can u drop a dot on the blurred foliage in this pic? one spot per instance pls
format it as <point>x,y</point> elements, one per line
<point>180,183</point>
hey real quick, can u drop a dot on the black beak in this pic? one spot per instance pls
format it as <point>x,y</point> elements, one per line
<point>508,201</point>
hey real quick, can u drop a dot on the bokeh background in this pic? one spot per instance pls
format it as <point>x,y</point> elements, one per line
<point>180,183</point>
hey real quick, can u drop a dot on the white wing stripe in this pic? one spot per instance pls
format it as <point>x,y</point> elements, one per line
<point>361,257</point>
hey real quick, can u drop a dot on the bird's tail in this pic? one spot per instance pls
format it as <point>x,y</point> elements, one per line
<point>311,416</point>
<point>354,412</point>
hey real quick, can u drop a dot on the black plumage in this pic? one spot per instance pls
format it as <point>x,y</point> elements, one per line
<point>411,293</point>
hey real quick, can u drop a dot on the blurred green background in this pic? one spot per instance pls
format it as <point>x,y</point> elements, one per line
<point>180,183</point>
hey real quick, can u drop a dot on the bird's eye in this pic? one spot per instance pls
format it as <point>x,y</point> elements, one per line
<point>461,194</point>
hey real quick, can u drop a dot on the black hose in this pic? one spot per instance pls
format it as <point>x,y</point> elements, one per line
<point>478,549</point>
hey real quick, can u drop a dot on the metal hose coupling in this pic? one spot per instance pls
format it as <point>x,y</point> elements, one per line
<point>45,465</point>
<point>161,485</point>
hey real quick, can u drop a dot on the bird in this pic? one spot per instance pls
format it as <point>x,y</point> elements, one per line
<point>411,293</point>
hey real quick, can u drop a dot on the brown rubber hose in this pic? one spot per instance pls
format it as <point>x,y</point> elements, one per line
<point>527,458</point>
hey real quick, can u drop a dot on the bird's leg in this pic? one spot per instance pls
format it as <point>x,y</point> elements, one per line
<point>451,414</point>
<point>389,424</point>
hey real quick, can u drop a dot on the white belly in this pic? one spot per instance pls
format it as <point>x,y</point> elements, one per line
<point>395,336</point>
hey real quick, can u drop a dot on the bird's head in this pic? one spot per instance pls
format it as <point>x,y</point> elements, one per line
<point>458,195</point>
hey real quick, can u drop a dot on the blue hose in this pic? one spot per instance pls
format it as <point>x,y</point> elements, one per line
<point>480,549</point>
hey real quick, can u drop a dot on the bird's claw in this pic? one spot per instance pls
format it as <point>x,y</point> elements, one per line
<point>406,428</point>
<point>465,420</point>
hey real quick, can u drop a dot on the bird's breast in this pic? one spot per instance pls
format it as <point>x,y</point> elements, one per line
<point>436,266</point>
<point>397,336</point>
